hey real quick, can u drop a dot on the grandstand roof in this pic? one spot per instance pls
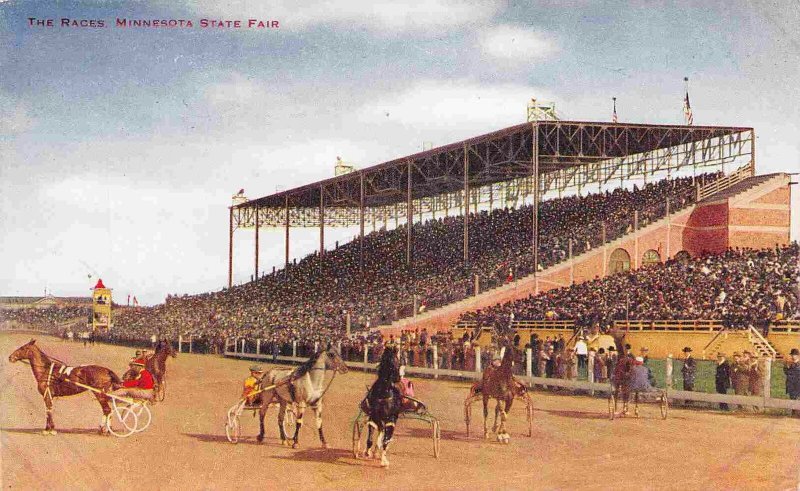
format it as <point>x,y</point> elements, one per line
<point>494,157</point>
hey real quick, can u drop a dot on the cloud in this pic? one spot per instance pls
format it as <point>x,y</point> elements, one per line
<point>377,16</point>
<point>458,104</point>
<point>509,42</point>
<point>15,117</point>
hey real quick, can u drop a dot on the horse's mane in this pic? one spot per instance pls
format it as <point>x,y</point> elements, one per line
<point>307,365</point>
<point>387,367</point>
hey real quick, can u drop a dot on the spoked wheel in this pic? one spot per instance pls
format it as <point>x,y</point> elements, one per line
<point>529,416</point>
<point>289,421</point>
<point>233,428</point>
<point>664,405</point>
<point>359,435</point>
<point>612,405</point>
<point>161,390</point>
<point>437,438</point>
<point>143,415</point>
<point>124,424</point>
<point>467,414</point>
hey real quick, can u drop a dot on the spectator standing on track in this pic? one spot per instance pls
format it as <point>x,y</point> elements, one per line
<point>792,371</point>
<point>689,369</point>
<point>723,377</point>
<point>582,350</point>
<point>739,375</point>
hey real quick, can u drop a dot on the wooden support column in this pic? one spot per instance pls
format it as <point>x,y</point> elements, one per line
<point>409,215</point>
<point>465,205</point>
<point>321,224</point>
<point>230,248</point>
<point>286,234</point>
<point>636,239</point>
<point>257,225</point>
<point>535,180</point>
<point>361,230</point>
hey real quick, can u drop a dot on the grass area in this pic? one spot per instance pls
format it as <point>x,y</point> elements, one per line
<point>706,371</point>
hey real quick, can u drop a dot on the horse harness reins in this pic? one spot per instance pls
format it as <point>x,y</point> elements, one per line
<point>289,381</point>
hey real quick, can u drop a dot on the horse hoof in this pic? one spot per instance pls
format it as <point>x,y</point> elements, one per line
<point>295,445</point>
<point>260,438</point>
<point>384,462</point>
<point>45,432</point>
<point>325,445</point>
<point>53,432</point>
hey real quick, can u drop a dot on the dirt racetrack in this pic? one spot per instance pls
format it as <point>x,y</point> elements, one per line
<point>574,445</point>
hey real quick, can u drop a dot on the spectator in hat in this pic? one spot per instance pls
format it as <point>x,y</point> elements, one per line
<point>792,370</point>
<point>723,377</point>
<point>639,377</point>
<point>689,369</point>
<point>739,375</point>
<point>646,360</point>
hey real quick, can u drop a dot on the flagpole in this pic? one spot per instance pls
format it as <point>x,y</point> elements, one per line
<point>614,118</point>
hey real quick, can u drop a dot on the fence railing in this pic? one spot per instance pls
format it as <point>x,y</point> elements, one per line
<point>589,386</point>
<point>723,183</point>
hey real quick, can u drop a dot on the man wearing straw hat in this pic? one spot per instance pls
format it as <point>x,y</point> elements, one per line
<point>140,386</point>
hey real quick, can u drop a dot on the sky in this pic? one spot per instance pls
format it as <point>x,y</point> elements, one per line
<point>120,147</point>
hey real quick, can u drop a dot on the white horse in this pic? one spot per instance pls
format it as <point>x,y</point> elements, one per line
<point>303,386</point>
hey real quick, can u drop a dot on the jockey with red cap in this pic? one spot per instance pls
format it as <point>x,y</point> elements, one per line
<point>140,386</point>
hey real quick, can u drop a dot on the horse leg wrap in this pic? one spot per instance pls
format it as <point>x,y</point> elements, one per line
<point>321,436</point>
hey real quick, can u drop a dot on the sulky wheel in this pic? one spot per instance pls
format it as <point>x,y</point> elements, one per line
<point>124,424</point>
<point>359,436</point>
<point>664,403</point>
<point>289,421</point>
<point>612,405</point>
<point>467,414</point>
<point>437,438</point>
<point>529,416</point>
<point>143,415</point>
<point>233,428</point>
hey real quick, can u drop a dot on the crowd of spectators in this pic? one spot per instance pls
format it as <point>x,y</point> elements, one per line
<point>315,298</point>
<point>741,287</point>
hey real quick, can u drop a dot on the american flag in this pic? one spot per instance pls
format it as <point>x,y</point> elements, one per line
<point>687,108</point>
<point>614,114</point>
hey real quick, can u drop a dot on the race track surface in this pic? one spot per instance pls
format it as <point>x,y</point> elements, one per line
<point>574,445</point>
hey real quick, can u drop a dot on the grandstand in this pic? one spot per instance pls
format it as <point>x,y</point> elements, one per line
<point>487,221</point>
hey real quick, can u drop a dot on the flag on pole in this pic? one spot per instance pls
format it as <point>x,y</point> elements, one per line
<point>614,114</point>
<point>129,299</point>
<point>687,108</point>
<point>135,302</point>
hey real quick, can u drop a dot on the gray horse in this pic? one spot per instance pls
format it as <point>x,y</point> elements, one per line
<point>303,386</point>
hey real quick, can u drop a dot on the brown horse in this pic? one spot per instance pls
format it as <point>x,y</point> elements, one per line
<point>53,380</point>
<point>498,383</point>
<point>620,379</point>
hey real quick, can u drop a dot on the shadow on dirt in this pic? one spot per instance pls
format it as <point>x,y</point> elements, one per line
<point>60,431</point>
<point>206,438</point>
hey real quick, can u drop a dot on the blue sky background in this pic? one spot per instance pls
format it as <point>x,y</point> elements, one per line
<point>120,148</point>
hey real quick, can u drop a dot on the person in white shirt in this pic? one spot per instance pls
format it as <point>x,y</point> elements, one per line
<point>582,350</point>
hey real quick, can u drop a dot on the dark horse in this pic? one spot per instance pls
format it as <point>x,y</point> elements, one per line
<point>156,364</point>
<point>383,404</point>
<point>52,378</point>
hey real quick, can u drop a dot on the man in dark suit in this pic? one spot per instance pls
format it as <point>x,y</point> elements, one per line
<point>792,371</point>
<point>689,369</point>
<point>723,377</point>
